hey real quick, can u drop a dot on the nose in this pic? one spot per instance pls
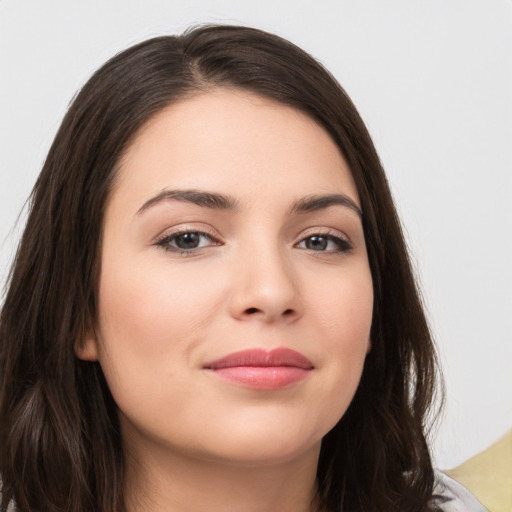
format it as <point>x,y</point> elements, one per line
<point>265,288</point>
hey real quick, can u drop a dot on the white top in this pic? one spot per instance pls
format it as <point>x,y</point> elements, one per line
<point>453,497</point>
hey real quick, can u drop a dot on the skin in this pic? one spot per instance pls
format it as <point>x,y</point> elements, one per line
<point>256,280</point>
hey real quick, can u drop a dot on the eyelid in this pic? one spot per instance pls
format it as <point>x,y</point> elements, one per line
<point>192,227</point>
<point>324,231</point>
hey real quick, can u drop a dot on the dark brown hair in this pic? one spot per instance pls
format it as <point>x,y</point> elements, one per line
<point>60,446</point>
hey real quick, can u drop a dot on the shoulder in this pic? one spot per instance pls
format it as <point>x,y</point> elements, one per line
<point>451,496</point>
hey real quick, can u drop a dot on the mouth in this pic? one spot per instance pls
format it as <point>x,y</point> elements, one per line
<point>262,369</point>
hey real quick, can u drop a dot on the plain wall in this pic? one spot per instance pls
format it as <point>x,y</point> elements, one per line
<point>433,81</point>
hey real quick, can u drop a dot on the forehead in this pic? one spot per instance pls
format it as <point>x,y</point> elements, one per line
<point>228,140</point>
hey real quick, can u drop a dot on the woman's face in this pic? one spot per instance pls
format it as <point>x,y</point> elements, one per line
<point>235,296</point>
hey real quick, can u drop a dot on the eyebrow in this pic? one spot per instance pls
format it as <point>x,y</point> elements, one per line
<point>218,201</point>
<point>319,202</point>
<point>211,200</point>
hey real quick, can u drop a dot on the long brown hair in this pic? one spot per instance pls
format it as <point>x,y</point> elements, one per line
<point>60,446</point>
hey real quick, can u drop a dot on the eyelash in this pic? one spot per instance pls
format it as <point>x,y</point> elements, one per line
<point>343,245</point>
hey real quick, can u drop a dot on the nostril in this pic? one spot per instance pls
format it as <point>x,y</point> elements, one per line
<point>253,311</point>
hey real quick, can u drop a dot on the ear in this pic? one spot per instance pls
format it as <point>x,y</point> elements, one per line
<point>87,349</point>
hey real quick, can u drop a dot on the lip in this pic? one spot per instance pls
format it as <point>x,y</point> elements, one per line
<point>262,369</point>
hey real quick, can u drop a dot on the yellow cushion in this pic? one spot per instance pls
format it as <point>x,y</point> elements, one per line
<point>488,475</point>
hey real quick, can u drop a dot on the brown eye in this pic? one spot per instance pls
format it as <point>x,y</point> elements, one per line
<point>186,241</point>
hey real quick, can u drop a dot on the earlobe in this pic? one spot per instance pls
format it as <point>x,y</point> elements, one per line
<point>87,349</point>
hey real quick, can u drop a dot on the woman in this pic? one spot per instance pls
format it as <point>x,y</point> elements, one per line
<point>212,306</point>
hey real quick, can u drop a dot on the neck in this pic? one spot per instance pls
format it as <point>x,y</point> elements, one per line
<point>178,483</point>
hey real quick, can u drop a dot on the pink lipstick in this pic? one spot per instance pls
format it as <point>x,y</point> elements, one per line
<point>261,369</point>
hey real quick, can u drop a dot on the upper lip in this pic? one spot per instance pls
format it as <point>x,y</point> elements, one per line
<point>259,357</point>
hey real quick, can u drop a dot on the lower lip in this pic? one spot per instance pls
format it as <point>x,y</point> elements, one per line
<point>264,378</point>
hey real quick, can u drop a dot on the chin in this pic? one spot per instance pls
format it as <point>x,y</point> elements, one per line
<point>271,453</point>
<point>263,446</point>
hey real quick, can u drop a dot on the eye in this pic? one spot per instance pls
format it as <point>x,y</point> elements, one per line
<point>325,243</point>
<point>186,241</point>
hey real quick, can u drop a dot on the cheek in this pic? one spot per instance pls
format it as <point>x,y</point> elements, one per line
<point>344,316</point>
<point>150,322</point>
<point>344,309</point>
<point>150,305</point>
